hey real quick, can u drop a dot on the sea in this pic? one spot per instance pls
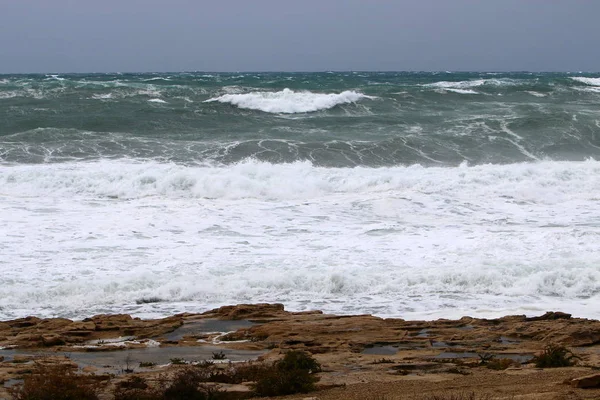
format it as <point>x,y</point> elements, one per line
<point>399,194</point>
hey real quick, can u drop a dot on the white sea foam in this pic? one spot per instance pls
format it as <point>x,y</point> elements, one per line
<point>414,242</point>
<point>232,89</point>
<point>536,94</point>
<point>463,85</point>
<point>456,85</point>
<point>105,96</point>
<point>462,91</point>
<point>150,92</point>
<point>587,81</point>
<point>55,77</point>
<point>289,102</point>
<point>9,95</point>
<point>157,101</point>
<point>158,78</point>
<point>589,89</point>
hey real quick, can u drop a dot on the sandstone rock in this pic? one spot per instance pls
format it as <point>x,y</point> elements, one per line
<point>80,326</point>
<point>52,324</point>
<point>24,322</point>
<point>550,315</point>
<point>585,382</point>
<point>19,358</point>
<point>78,333</point>
<point>351,349</point>
<point>89,369</point>
<point>27,340</point>
<point>52,339</point>
<point>248,311</point>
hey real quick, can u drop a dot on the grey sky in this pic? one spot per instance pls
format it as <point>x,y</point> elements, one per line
<point>298,35</point>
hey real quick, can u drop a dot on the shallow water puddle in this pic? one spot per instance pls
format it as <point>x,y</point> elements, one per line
<point>118,360</point>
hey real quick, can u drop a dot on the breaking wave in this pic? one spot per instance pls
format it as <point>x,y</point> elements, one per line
<point>587,81</point>
<point>401,241</point>
<point>288,101</point>
<point>531,182</point>
<point>473,83</point>
<point>462,91</point>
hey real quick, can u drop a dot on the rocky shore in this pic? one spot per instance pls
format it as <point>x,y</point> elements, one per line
<point>362,356</point>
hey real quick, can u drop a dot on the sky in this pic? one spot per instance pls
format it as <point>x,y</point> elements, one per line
<point>298,35</point>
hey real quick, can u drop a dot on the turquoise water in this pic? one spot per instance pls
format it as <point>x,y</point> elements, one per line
<point>329,119</point>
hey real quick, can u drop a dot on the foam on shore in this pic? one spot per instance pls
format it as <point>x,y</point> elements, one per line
<point>412,242</point>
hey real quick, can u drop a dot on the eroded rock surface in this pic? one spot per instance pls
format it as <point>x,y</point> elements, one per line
<point>355,351</point>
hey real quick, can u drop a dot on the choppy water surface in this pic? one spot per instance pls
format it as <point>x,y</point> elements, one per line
<point>416,195</point>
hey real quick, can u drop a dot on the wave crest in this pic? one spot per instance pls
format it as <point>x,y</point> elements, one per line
<point>587,81</point>
<point>299,180</point>
<point>288,101</point>
<point>463,85</point>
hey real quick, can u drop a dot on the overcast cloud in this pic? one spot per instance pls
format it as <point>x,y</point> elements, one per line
<point>306,35</point>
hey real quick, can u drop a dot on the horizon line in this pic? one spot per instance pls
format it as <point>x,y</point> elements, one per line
<point>301,72</point>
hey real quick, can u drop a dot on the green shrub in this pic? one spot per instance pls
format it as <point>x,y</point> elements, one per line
<point>133,382</point>
<point>294,360</point>
<point>383,361</point>
<point>147,364</point>
<point>136,388</point>
<point>485,358</point>
<point>188,383</point>
<point>292,374</point>
<point>555,356</point>
<point>57,382</point>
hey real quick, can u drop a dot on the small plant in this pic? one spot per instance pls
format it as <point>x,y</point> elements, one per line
<point>134,382</point>
<point>187,384</point>
<point>55,382</point>
<point>205,364</point>
<point>238,373</point>
<point>485,358</point>
<point>555,356</point>
<point>292,374</point>
<point>128,364</point>
<point>383,361</point>
<point>299,360</point>
<point>218,356</point>
<point>147,364</point>
<point>136,388</point>
<point>177,361</point>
